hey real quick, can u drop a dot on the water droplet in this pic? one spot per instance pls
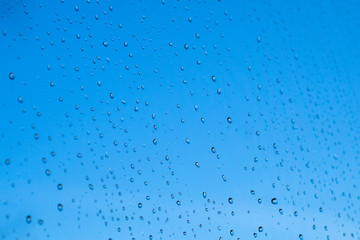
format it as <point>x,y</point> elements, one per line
<point>12,76</point>
<point>204,194</point>
<point>28,219</point>
<point>197,164</point>
<point>230,200</point>
<point>274,201</point>
<point>229,120</point>
<point>60,207</point>
<point>20,99</point>
<point>106,44</point>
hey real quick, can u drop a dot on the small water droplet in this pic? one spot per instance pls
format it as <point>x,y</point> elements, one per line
<point>229,120</point>
<point>60,207</point>
<point>12,76</point>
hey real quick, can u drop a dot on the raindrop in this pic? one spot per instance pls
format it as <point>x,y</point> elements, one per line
<point>229,120</point>
<point>60,207</point>
<point>12,76</point>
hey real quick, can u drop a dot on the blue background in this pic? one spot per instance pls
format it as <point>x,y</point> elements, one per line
<point>118,110</point>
